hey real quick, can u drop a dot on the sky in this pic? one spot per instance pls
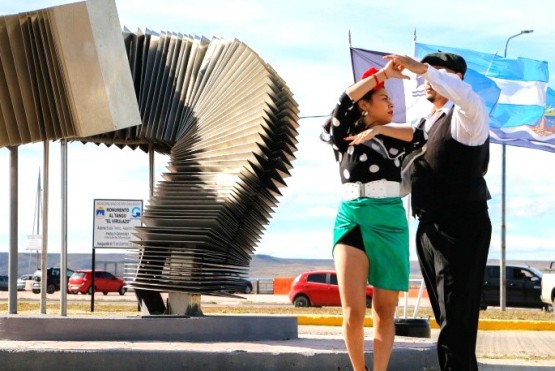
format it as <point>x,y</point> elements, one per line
<point>307,43</point>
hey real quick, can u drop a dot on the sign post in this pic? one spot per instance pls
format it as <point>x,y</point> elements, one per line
<point>34,244</point>
<point>114,223</point>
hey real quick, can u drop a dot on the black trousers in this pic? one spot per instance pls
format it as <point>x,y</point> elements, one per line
<point>453,255</point>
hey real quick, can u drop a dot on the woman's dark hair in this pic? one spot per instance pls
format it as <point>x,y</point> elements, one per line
<point>327,124</point>
<point>368,95</point>
<point>359,125</point>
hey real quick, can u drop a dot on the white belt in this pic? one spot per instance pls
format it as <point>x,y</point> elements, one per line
<point>376,189</point>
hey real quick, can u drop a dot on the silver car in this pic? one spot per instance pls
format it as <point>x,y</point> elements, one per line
<point>22,281</point>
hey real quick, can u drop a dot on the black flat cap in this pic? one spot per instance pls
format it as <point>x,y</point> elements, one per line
<point>448,60</point>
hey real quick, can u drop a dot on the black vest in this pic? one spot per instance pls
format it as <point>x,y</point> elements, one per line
<point>448,179</point>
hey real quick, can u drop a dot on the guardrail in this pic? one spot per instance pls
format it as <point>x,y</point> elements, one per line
<point>414,283</point>
<point>262,285</point>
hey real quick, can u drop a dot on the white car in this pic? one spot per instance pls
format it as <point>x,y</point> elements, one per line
<point>548,287</point>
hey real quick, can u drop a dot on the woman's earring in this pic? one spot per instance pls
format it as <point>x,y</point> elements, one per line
<point>364,113</point>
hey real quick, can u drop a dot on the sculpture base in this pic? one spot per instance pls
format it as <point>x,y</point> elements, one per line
<point>148,328</point>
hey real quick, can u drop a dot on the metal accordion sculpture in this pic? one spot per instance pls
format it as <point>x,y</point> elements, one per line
<point>229,124</point>
<point>224,116</point>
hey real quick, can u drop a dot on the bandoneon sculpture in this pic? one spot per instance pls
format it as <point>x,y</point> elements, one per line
<point>226,119</point>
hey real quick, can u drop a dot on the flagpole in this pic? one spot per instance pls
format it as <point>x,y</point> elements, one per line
<point>409,196</point>
<point>351,54</point>
<point>503,274</point>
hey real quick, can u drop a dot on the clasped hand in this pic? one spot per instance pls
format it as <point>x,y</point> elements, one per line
<point>363,136</point>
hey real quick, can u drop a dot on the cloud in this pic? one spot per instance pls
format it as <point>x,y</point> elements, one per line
<point>523,246</point>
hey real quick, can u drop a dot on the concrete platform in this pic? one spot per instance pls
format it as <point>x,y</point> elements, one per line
<point>308,353</point>
<point>502,346</point>
<point>318,347</point>
<point>99,343</point>
<point>148,328</point>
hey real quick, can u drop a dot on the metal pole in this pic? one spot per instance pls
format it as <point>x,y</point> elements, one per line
<point>44,259</point>
<point>151,169</point>
<point>93,273</point>
<point>12,268</point>
<point>502,270</point>
<point>63,255</point>
<point>37,218</point>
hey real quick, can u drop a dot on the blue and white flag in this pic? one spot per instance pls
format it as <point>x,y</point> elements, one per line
<point>515,91</point>
<point>540,136</point>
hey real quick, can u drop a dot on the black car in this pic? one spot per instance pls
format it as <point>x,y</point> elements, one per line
<point>236,284</point>
<point>52,282</point>
<point>232,283</point>
<point>245,286</point>
<point>523,287</point>
<point>3,283</point>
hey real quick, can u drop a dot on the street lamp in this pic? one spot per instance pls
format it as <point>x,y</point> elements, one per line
<point>503,278</point>
<point>512,37</point>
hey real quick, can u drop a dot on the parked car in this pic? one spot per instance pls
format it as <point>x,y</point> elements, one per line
<point>104,282</point>
<point>232,283</point>
<point>22,281</point>
<point>243,286</point>
<point>52,280</point>
<point>319,289</point>
<point>523,287</point>
<point>3,283</point>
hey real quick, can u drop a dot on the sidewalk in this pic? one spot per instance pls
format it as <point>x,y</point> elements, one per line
<point>501,345</point>
<point>496,350</point>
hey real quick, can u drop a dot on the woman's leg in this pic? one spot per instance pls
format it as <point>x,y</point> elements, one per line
<point>384,304</point>
<point>351,266</point>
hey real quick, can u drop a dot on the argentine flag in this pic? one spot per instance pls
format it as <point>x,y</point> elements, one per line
<point>521,83</point>
<point>520,104</point>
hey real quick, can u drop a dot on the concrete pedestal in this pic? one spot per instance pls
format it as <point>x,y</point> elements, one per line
<point>148,328</point>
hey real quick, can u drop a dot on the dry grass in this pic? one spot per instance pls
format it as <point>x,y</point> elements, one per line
<point>130,309</point>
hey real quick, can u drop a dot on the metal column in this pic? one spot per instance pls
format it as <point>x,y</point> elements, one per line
<point>12,268</point>
<point>44,257</point>
<point>63,254</point>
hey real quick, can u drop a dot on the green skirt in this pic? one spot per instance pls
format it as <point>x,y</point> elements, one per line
<point>385,234</point>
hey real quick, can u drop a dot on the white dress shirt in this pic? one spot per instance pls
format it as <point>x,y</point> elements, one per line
<point>470,123</point>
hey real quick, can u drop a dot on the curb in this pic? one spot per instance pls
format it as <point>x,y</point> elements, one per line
<point>493,324</point>
<point>486,325</point>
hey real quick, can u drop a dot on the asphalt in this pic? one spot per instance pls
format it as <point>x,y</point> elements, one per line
<point>506,345</point>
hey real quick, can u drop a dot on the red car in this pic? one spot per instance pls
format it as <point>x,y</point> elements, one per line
<point>105,282</point>
<point>319,289</point>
